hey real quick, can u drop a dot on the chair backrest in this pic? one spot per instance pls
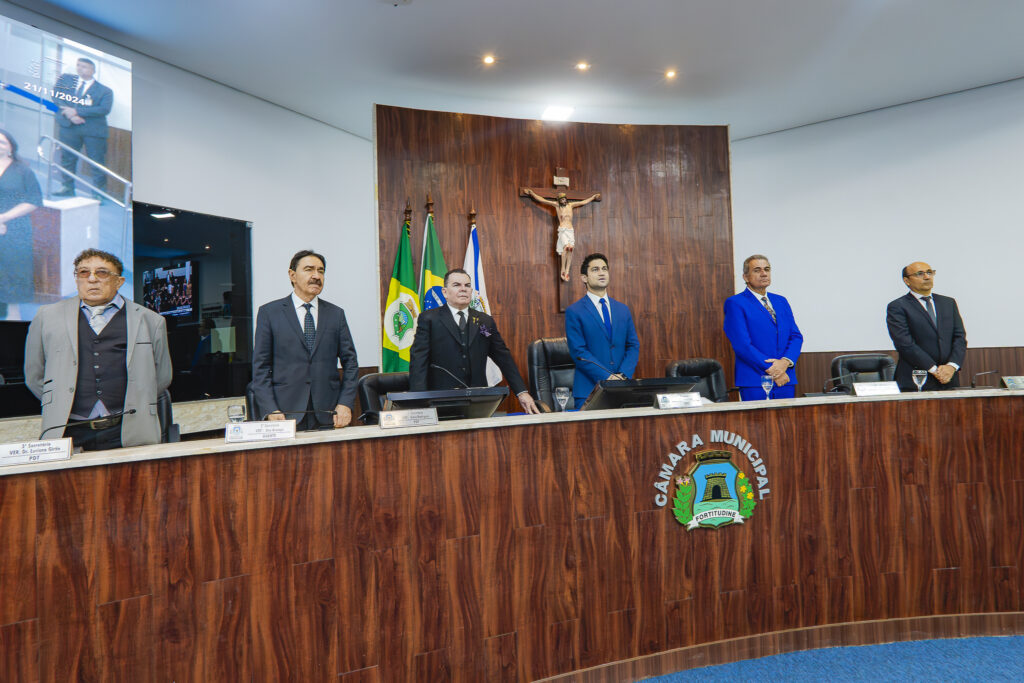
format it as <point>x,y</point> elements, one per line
<point>252,412</point>
<point>863,367</point>
<point>169,431</point>
<point>706,372</point>
<point>550,365</point>
<point>373,388</point>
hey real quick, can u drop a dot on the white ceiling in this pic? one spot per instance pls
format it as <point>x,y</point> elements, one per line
<point>757,65</point>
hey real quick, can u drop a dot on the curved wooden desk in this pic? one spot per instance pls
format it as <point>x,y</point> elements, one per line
<point>508,549</point>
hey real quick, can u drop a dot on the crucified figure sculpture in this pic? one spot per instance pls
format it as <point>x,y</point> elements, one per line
<point>566,235</point>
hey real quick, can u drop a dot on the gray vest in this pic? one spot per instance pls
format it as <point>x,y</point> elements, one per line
<point>102,365</point>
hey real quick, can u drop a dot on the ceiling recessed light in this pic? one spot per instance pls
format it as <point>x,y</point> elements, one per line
<point>670,74</point>
<point>207,247</point>
<point>582,66</point>
<point>165,214</point>
<point>557,113</point>
<point>488,59</point>
<point>167,239</point>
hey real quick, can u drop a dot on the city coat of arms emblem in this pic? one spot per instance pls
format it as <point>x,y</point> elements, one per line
<point>713,493</point>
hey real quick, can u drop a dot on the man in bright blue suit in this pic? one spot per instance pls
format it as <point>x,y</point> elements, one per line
<point>600,331</point>
<point>763,334</point>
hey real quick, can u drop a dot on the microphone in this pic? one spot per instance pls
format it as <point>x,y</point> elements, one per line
<point>450,374</point>
<point>75,423</point>
<point>594,362</point>
<point>286,413</point>
<point>974,380</point>
<point>835,387</point>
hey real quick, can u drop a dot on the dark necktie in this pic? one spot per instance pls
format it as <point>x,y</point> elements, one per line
<point>308,328</point>
<point>764,300</point>
<point>606,317</point>
<point>81,89</point>
<point>462,322</point>
<point>931,309</point>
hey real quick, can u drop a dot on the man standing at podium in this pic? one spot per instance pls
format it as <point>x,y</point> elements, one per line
<point>299,341</point>
<point>927,331</point>
<point>763,333</point>
<point>600,332</point>
<point>453,342</point>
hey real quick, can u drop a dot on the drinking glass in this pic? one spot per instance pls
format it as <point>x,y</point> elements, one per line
<point>766,383</point>
<point>561,397</point>
<point>920,376</point>
<point>236,413</point>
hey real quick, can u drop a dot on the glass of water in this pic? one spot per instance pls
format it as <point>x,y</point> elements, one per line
<point>920,377</point>
<point>236,413</point>
<point>766,383</point>
<point>562,397</point>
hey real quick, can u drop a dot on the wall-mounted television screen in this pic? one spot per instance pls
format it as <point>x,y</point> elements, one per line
<point>171,291</point>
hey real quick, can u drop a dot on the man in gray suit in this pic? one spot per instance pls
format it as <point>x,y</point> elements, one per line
<point>299,341</point>
<point>98,357</point>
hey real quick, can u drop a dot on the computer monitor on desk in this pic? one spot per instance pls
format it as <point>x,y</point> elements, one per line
<point>635,393</point>
<point>452,404</point>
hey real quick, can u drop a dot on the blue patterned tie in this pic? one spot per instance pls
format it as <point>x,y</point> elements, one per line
<point>607,318</point>
<point>309,329</point>
<point>931,310</point>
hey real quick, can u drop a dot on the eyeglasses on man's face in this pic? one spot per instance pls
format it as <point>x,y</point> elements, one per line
<point>922,273</point>
<point>99,274</point>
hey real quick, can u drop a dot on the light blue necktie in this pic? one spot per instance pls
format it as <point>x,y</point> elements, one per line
<point>931,310</point>
<point>606,317</point>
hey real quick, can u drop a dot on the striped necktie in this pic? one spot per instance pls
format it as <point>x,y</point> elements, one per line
<point>309,328</point>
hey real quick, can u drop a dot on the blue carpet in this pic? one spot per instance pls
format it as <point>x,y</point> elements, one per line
<point>955,659</point>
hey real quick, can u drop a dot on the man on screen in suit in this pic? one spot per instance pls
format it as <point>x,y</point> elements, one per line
<point>299,341</point>
<point>83,122</point>
<point>763,333</point>
<point>927,331</point>
<point>96,355</point>
<point>600,332</point>
<point>453,342</point>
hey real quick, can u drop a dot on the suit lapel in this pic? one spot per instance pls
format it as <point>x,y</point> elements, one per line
<point>449,323</point>
<point>472,327</point>
<point>71,323</point>
<point>132,321</point>
<point>589,305</point>
<point>756,300</point>
<point>292,320</point>
<point>325,319</point>
<point>915,304</point>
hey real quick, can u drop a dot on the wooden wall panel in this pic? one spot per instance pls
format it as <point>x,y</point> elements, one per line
<point>664,219</point>
<point>509,553</point>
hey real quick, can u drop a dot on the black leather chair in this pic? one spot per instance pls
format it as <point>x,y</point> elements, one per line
<point>251,409</point>
<point>862,367</point>
<point>706,372</point>
<point>169,431</point>
<point>550,365</point>
<point>373,389</point>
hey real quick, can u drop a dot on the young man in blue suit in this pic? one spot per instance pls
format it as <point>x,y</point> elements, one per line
<point>83,122</point>
<point>763,333</point>
<point>600,331</point>
<point>299,341</point>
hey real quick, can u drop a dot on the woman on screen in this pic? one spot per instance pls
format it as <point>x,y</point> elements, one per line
<point>19,196</point>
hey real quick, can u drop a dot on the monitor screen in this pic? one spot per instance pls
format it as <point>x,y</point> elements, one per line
<point>452,404</point>
<point>634,393</point>
<point>66,117</point>
<point>170,291</point>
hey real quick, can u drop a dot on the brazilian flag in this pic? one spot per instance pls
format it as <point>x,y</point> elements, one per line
<point>432,269</point>
<point>401,309</point>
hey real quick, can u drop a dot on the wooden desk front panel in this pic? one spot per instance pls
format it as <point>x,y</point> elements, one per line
<point>503,554</point>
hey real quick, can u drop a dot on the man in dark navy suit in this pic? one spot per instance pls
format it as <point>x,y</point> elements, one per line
<point>600,332</point>
<point>763,333</point>
<point>927,331</point>
<point>453,343</point>
<point>83,122</point>
<point>299,341</point>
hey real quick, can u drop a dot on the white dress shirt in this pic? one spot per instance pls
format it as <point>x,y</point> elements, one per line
<point>596,300</point>
<point>300,310</point>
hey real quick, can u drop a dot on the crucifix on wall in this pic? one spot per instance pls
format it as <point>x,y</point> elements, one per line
<point>564,201</point>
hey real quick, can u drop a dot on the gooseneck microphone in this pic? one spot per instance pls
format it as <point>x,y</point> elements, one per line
<point>835,380</point>
<point>974,380</point>
<point>75,423</point>
<point>594,362</point>
<point>450,374</point>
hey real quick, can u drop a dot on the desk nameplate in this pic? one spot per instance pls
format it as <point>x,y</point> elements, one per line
<point>876,388</point>
<point>414,417</point>
<point>690,399</point>
<point>29,452</point>
<point>1014,381</point>
<point>269,430</point>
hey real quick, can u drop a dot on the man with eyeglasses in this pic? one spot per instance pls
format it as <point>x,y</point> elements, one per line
<point>927,331</point>
<point>98,359</point>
